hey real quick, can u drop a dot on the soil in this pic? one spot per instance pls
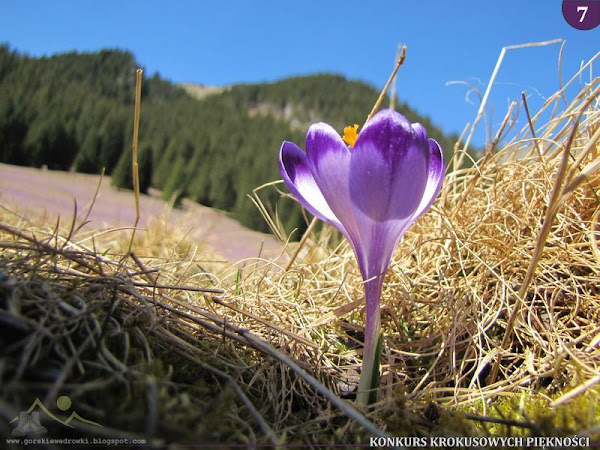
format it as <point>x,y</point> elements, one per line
<point>36,192</point>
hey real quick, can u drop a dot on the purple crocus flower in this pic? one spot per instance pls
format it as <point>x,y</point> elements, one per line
<point>372,191</point>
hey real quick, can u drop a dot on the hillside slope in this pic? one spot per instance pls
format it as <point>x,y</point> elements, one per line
<point>38,194</point>
<point>74,111</point>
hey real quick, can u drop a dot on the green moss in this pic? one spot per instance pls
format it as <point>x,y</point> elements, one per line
<point>579,414</point>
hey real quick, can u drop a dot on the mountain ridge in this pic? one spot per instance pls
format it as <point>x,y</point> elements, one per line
<point>73,111</point>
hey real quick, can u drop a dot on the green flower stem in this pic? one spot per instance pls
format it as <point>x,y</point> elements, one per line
<point>369,377</point>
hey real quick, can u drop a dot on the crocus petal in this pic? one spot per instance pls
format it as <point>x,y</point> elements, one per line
<point>297,176</point>
<point>388,171</point>
<point>329,161</point>
<point>419,130</point>
<point>378,242</point>
<point>434,184</point>
<point>435,178</point>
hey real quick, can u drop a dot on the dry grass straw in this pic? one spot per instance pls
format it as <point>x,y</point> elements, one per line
<point>134,154</point>
<point>144,344</point>
<point>502,275</point>
<point>506,267</point>
<point>235,344</point>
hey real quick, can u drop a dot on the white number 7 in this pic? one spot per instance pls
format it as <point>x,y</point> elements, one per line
<point>584,9</point>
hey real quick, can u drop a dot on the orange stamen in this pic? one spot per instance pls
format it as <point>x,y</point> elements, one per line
<point>350,135</point>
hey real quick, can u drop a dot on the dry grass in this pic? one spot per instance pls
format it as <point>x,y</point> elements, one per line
<point>490,311</point>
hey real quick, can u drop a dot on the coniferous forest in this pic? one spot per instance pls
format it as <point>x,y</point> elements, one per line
<point>74,111</point>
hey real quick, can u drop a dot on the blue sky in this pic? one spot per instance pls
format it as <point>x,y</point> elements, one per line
<point>230,41</point>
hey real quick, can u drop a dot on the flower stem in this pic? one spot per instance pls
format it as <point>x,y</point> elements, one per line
<point>369,377</point>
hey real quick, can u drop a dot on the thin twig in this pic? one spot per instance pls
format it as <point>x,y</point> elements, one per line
<point>134,165</point>
<point>560,83</point>
<point>491,83</point>
<point>501,421</point>
<point>535,140</point>
<point>300,339</point>
<point>488,156</point>
<point>393,93</point>
<point>399,62</point>
<point>92,202</point>
<point>307,233</point>
<point>176,287</point>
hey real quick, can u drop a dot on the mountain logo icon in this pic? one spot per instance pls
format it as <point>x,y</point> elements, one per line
<point>29,421</point>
